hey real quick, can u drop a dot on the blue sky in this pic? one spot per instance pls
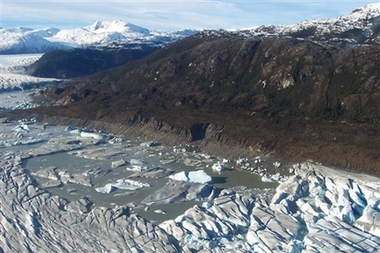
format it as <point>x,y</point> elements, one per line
<point>169,15</point>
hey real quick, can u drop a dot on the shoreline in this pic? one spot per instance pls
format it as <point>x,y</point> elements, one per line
<point>214,142</point>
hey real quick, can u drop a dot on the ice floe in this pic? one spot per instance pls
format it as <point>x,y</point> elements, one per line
<point>176,192</point>
<point>218,167</point>
<point>199,176</point>
<point>124,184</point>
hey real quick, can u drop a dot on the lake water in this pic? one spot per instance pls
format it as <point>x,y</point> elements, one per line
<point>157,156</point>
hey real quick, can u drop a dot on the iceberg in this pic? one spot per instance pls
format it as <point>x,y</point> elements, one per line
<point>217,167</point>
<point>176,192</point>
<point>124,184</point>
<point>198,176</point>
<point>95,136</point>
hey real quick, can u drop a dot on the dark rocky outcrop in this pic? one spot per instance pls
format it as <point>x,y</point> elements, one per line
<point>293,98</point>
<point>80,62</point>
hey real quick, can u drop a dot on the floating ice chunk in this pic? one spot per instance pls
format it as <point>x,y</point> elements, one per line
<point>150,144</point>
<point>159,211</point>
<point>198,176</point>
<point>96,136</point>
<point>52,184</point>
<point>125,184</point>
<point>96,172</point>
<point>156,172</point>
<point>180,176</point>
<point>116,164</point>
<point>179,191</point>
<point>136,162</point>
<point>271,178</point>
<point>217,167</point>
<point>137,168</point>
<point>191,162</point>
<point>28,141</point>
<point>108,188</point>
<point>128,184</point>
<point>277,165</point>
<point>168,161</point>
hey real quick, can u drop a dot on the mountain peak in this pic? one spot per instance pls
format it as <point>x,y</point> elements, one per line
<point>368,7</point>
<point>116,26</point>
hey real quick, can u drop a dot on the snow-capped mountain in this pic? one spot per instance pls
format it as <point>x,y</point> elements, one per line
<point>16,41</point>
<point>100,34</point>
<point>360,26</point>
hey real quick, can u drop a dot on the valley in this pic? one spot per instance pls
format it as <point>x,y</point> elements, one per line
<point>256,140</point>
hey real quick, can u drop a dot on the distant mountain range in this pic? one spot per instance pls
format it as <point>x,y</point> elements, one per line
<point>361,26</point>
<point>114,34</point>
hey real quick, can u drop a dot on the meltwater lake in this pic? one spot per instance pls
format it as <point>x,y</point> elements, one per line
<point>75,167</point>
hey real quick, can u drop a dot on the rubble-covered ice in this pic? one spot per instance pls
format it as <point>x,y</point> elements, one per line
<point>315,210</point>
<point>33,220</point>
<point>294,221</point>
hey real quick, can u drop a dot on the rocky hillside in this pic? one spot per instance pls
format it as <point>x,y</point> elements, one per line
<point>295,98</point>
<point>80,62</point>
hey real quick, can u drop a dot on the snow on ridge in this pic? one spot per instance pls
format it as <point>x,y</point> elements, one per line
<point>364,21</point>
<point>116,26</point>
